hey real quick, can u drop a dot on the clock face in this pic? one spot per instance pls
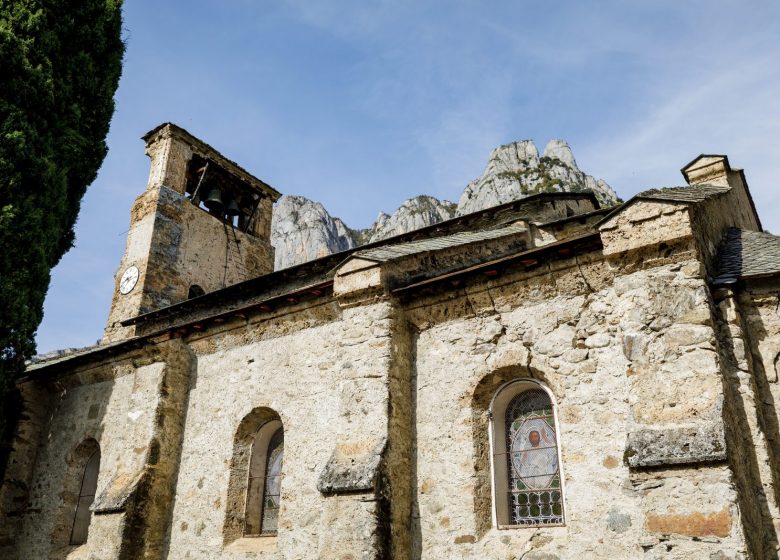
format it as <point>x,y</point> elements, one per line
<point>128,280</point>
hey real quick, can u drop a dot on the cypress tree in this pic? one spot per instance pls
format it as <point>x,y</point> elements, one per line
<point>60,62</point>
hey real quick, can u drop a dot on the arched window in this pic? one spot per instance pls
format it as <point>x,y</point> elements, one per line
<point>265,478</point>
<point>195,291</point>
<point>83,515</point>
<point>527,482</point>
<point>255,479</point>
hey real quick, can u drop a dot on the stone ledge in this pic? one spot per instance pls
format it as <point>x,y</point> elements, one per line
<point>676,446</point>
<point>352,467</point>
<point>118,493</point>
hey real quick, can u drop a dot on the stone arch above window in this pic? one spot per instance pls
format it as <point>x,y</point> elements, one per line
<point>254,490</point>
<point>525,456</point>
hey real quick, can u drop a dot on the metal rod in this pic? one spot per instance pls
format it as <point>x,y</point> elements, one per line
<point>252,215</point>
<point>543,417</point>
<point>522,450</point>
<point>200,182</point>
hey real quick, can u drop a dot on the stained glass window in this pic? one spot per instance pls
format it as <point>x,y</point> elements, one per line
<point>272,486</point>
<point>83,515</point>
<point>534,494</point>
<point>265,479</point>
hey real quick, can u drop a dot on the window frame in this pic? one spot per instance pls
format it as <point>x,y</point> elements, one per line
<point>496,423</point>
<point>76,521</point>
<point>258,462</point>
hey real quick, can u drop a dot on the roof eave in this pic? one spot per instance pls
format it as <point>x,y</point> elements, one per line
<point>317,290</point>
<point>560,247</point>
<point>346,255</point>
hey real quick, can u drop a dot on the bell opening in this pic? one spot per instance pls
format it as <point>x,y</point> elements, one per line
<point>221,194</point>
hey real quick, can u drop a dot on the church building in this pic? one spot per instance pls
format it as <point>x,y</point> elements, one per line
<point>546,379</point>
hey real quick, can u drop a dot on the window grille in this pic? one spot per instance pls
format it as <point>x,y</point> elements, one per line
<point>531,454</point>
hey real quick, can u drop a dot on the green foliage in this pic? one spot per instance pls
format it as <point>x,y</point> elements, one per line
<point>60,63</point>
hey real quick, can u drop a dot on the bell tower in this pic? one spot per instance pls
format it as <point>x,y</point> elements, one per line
<point>202,223</point>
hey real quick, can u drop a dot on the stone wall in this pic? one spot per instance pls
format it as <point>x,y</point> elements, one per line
<point>623,355</point>
<point>665,435</point>
<point>132,409</point>
<point>329,382</point>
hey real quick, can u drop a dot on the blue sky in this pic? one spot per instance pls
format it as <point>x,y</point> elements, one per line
<point>361,105</point>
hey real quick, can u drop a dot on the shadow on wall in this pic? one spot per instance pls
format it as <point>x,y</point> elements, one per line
<point>756,335</point>
<point>416,529</point>
<point>80,486</point>
<point>755,513</point>
<point>57,455</point>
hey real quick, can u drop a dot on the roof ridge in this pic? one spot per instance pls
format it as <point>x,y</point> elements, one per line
<point>454,239</point>
<point>705,187</point>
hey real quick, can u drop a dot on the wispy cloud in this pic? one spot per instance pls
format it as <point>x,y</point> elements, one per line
<point>733,109</point>
<point>360,105</point>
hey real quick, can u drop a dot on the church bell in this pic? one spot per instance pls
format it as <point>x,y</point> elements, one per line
<point>232,209</point>
<point>214,200</point>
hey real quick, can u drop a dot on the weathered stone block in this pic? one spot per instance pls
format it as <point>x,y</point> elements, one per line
<point>673,446</point>
<point>557,342</point>
<point>598,340</point>
<point>118,492</point>
<point>353,467</point>
<point>635,346</point>
<point>696,524</point>
<point>618,521</point>
<point>539,555</point>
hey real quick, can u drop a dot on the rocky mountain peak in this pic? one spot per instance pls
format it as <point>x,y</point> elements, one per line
<point>414,213</point>
<point>511,157</point>
<point>560,150</point>
<point>515,171</point>
<point>302,230</point>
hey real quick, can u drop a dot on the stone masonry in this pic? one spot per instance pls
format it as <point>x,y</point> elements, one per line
<point>381,363</point>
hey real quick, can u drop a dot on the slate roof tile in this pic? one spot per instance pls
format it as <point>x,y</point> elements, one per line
<point>391,252</point>
<point>687,193</point>
<point>745,254</point>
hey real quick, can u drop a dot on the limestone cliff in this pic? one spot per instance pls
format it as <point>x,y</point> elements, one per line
<point>302,230</point>
<point>516,171</point>
<point>415,213</point>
